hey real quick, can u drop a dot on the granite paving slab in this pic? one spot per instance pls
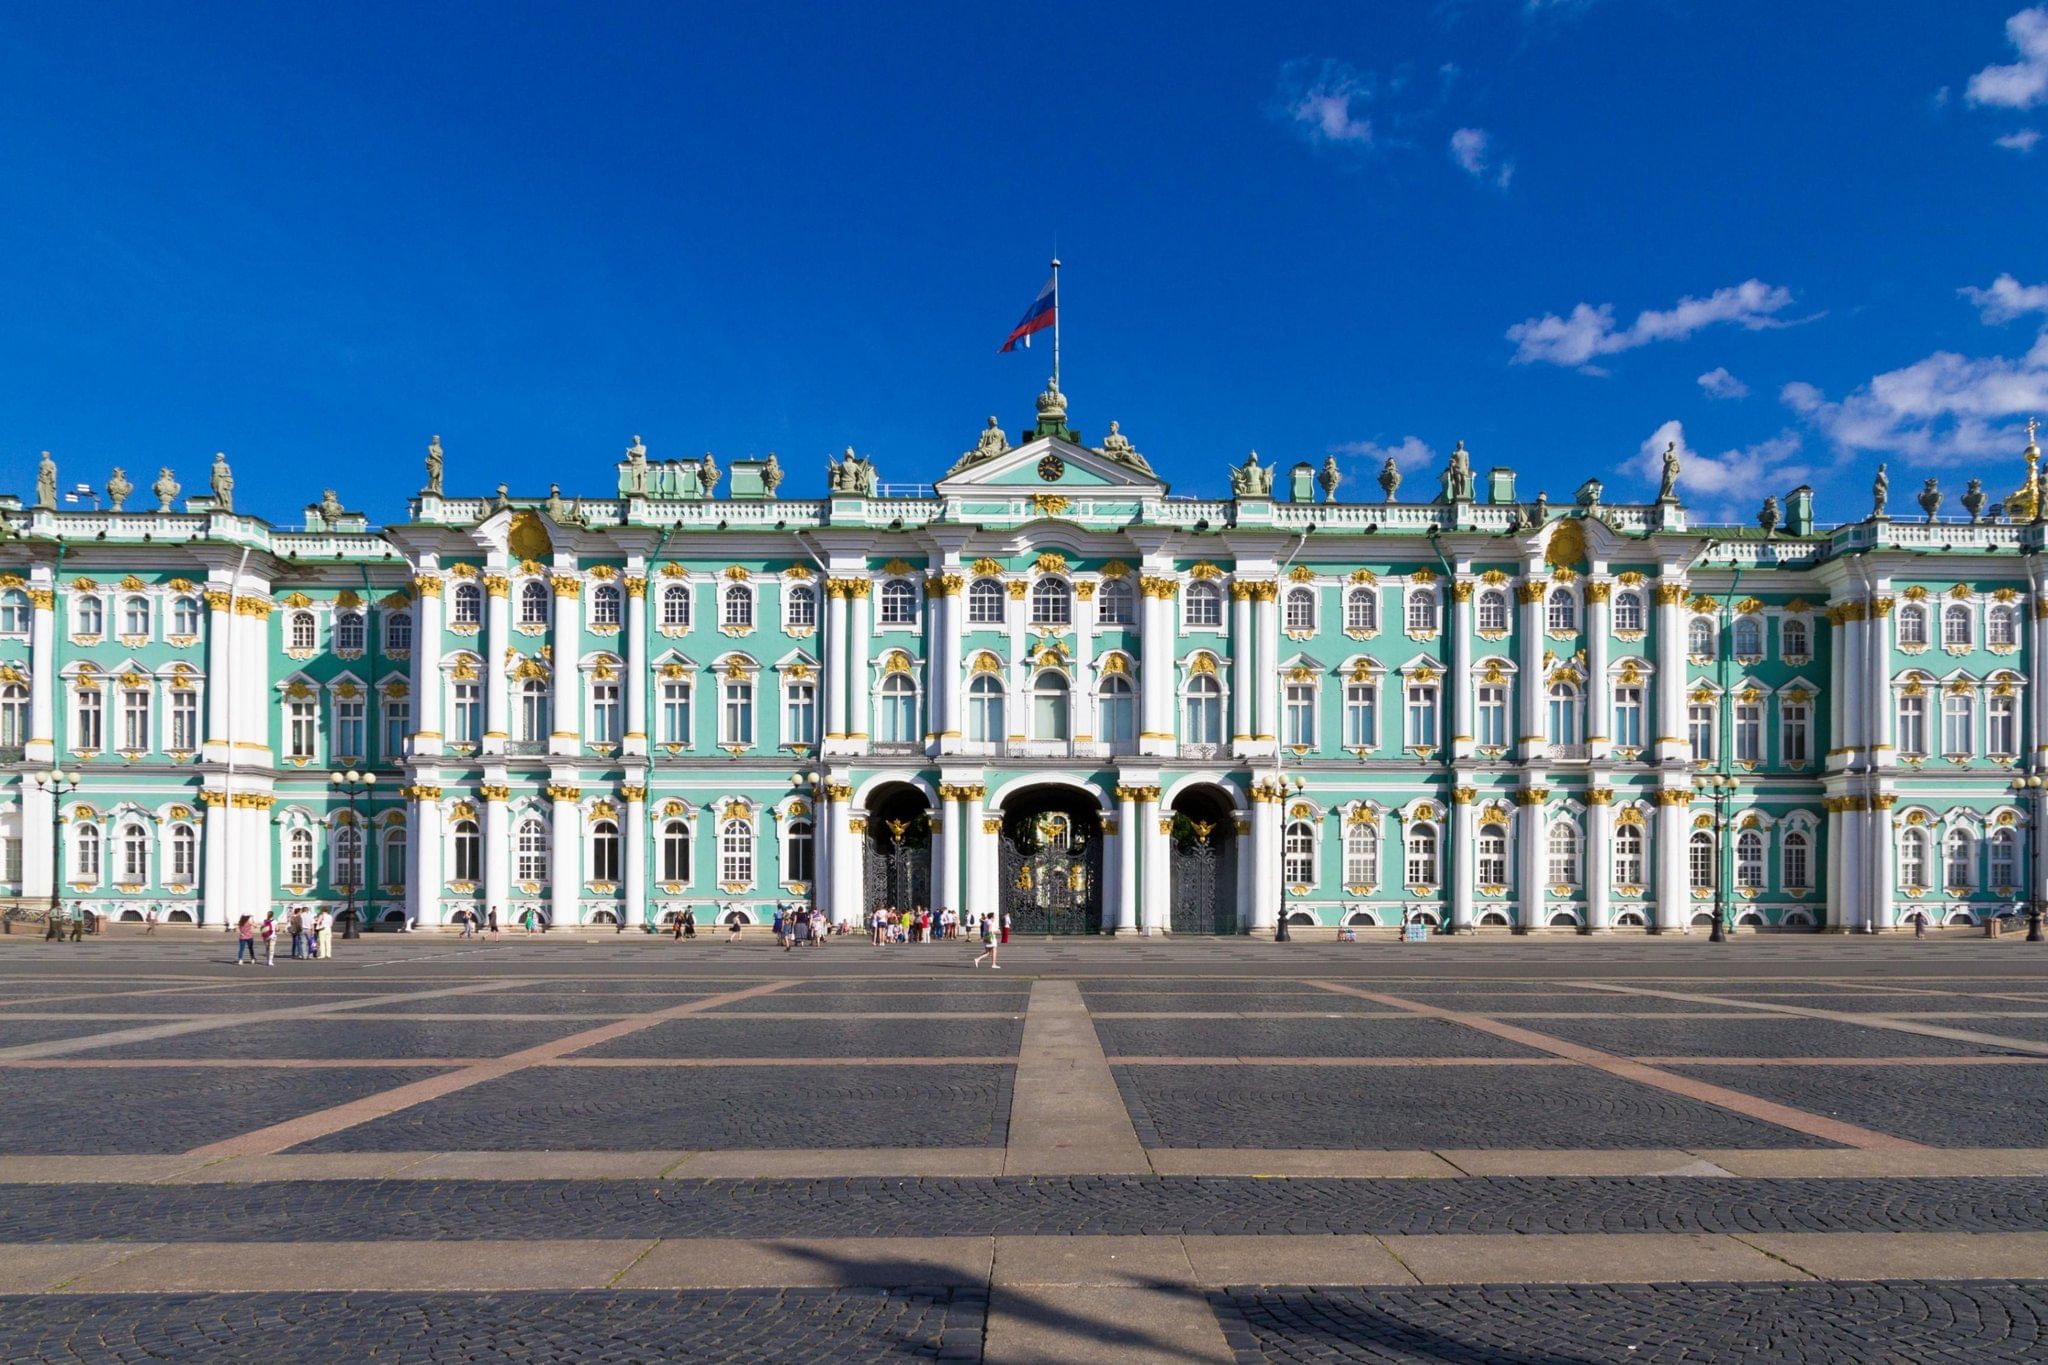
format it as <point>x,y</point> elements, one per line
<point>708,1035</point>
<point>1336,1037</point>
<point>1962,1106</point>
<point>343,1037</point>
<point>1767,1036</point>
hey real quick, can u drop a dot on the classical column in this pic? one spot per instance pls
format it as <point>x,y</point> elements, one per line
<point>1672,743</point>
<point>1266,624</point>
<point>1457,666</point>
<point>497,851</point>
<point>565,848</point>
<point>634,912</point>
<point>1125,917</point>
<point>1018,707</point>
<point>497,635</point>
<point>1838,723</point>
<point>1155,643</point>
<point>1462,857</point>
<point>1833,905</point>
<point>1154,915</point>
<point>213,843</point>
<point>1674,893</point>
<point>1599,858</point>
<point>1533,684</point>
<point>1857,738</point>
<point>978,837</point>
<point>1116,841</point>
<point>858,648</point>
<point>427,738</point>
<point>945,668</point>
<point>1242,824</point>
<point>832,654</point>
<point>44,683</point>
<point>944,872</point>
<point>845,869</point>
<point>1265,855</point>
<point>423,855</point>
<point>1243,663</point>
<point>220,694</point>
<point>1083,725</point>
<point>1883,845</point>
<point>566,737</point>
<point>636,666</point>
<point>1855,903</point>
<point>1881,715</point>
<point>1529,850</point>
<point>1599,693</point>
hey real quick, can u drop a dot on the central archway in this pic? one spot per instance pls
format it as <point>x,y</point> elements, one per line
<point>898,846</point>
<point>1203,877</point>
<point>1049,871</point>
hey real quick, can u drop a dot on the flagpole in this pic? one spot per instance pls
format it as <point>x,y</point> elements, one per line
<point>1055,322</point>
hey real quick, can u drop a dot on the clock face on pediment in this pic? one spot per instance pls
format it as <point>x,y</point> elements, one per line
<point>1051,467</point>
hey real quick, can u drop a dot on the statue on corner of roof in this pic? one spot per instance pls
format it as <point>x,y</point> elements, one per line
<point>223,483</point>
<point>1667,491</point>
<point>1880,492</point>
<point>558,511</point>
<point>993,442</point>
<point>1458,485</point>
<point>434,466</point>
<point>46,482</point>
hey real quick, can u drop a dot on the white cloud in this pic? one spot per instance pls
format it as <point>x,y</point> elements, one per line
<point>1472,149</point>
<point>1590,331</point>
<point>1718,383</point>
<point>2022,142</point>
<point>1718,483</point>
<point>1324,102</point>
<point>2024,83</point>
<point>1943,409</point>
<point>2007,299</point>
<point>1410,451</point>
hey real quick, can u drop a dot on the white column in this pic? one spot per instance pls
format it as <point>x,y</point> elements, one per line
<point>1153,915</point>
<point>1533,684</point>
<point>1464,855</point>
<point>423,879</point>
<point>426,671</point>
<point>497,853</point>
<point>1672,744</point>
<point>980,850</point>
<point>1124,919</point>
<point>634,912</point>
<point>1529,851</point>
<point>1674,892</point>
<point>1856,732</point>
<point>497,633</point>
<point>1018,708</point>
<point>1458,666</point>
<point>1155,645</point>
<point>1246,908</point>
<point>1884,843</point>
<point>1083,698</point>
<point>220,694</point>
<point>1599,856</point>
<point>832,656</point>
<point>1265,856</point>
<point>213,820</point>
<point>565,863</point>
<point>858,688</point>
<point>1266,625</point>
<point>44,684</point>
<point>845,868</point>
<point>567,732</point>
<point>1242,666</point>
<point>1855,905</point>
<point>944,819</point>
<point>1835,907</point>
<point>38,847</point>
<point>1838,653</point>
<point>1599,698</point>
<point>636,667</point>
<point>950,661</point>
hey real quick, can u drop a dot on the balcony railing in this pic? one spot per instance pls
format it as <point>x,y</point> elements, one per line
<point>1566,753</point>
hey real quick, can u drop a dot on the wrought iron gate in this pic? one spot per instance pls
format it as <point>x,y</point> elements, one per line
<point>1203,882</point>
<point>898,873</point>
<point>1051,874</point>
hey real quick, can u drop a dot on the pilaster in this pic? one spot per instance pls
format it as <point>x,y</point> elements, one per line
<point>635,746</point>
<point>427,686</point>
<point>497,635</point>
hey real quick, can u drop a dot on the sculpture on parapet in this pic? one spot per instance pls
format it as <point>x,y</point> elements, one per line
<point>1458,483</point>
<point>118,489</point>
<point>166,489</point>
<point>1768,518</point>
<point>434,466</point>
<point>1930,499</point>
<point>1118,447</point>
<point>331,510</point>
<point>771,475</point>
<point>991,443</point>
<point>1973,500</point>
<point>636,468</point>
<point>1390,478</point>
<point>707,474</point>
<point>1667,491</point>
<point>46,482</point>
<point>1331,476</point>
<point>1251,479</point>
<point>851,475</point>
<point>1880,492</point>
<point>1589,494</point>
<point>558,510</point>
<point>223,483</point>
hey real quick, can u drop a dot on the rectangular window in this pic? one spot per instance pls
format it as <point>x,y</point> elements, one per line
<point>1955,725</point>
<point>675,712</point>
<point>2001,728</point>
<point>469,713</point>
<point>300,729</point>
<point>397,725</point>
<point>736,715</point>
<point>91,728</point>
<point>1749,732</point>
<point>184,720</point>
<point>348,727</point>
<point>1493,717</point>
<point>800,717</point>
<point>1913,726</point>
<point>14,716</point>
<point>134,720</point>
<point>1299,718</point>
<point>1361,715</point>
<point>1422,728</point>
<point>10,861</point>
<point>1628,717</point>
<point>1798,731</point>
<point>1700,729</point>
<point>604,713</point>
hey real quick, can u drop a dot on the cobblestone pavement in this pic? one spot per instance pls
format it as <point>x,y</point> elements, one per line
<point>584,1115</point>
<point>1642,1324</point>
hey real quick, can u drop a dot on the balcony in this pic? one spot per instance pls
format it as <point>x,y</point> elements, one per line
<point>526,748</point>
<point>1566,753</point>
<point>1203,751</point>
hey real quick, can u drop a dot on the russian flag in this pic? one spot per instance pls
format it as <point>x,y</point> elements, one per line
<point>1037,317</point>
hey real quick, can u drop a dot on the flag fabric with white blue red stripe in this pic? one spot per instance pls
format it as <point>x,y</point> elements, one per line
<point>1037,317</point>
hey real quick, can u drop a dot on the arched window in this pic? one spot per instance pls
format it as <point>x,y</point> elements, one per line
<point>736,607</point>
<point>1052,603</point>
<point>604,851</point>
<point>14,612</point>
<point>1749,638</point>
<point>985,598</point>
<point>985,709</point>
<point>2001,627</point>
<point>1563,853</point>
<point>533,603</point>
<point>1564,713</point>
<point>1959,859</point>
<point>299,631</point>
<point>736,853</point>
<point>1298,854</point>
<point>14,716</point>
<point>1628,856</point>
<point>1362,610</point>
<point>184,856</point>
<point>533,711</point>
<point>800,607</point>
<point>1699,851</point>
<point>1119,721</point>
<point>1493,610</point>
<point>1699,638</point>
<point>1202,606</point>
<point>799,859</point>
<point>530,846</point>
<point>1749,860</point>
<point>2005,859</point>
<point>605,605</point>
<point>896,710</point>
<point>345,856</point>
<point>1912,624</point>
<point>298,857</point>
<point>85,854</point>
<point>468,605</point>
<point>92,616</point>
<point>391,858</point>
<point>348,632</point>
<point>1492,863</point>
<point>134,863</point>
<point>899,603</point>
<point>1422,846</point>
<point>1628,611</point>
<point>675,851</point>
<point>1955,626</point>
<point>1421,610</point>
<point>469,852</point>
<point>1301,609</point>
<point>675,606</point>
<point>397,632</point>
<point>1913,857</point>
<point>1561,611</point>
<point>1204,710</point>
<point>1051,716</point>
<point>1115,604</point>
<point>1796,861</point>
<point>135,616</point>
<point>1795,641</point>
<point>1362,852</point>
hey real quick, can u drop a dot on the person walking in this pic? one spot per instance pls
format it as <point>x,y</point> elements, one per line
<point>270,939</point>
<point>989,945</point>
<point>733,921</point>
<point>245,941</point>
<point>1006,926</point>
<point>149,921</point>
<point>676,930</point>
<point>689,922</point>
<point>494,924</point>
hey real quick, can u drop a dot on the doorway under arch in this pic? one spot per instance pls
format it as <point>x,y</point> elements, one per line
<point>897,848</point>
<point>1049,862</point>
<point>1202,884</point>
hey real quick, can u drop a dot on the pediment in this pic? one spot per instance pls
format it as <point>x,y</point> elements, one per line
<point>1048,464</point>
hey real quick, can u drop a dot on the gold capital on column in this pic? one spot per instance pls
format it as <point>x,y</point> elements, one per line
<point>838,791</point>
<point>493,792</point>
<point>992,824</point>
<point>1464,796</point>
<point>1600,796</point>
<point>632,794</point>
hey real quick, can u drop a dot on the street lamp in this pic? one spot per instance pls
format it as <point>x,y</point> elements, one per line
<point>355,783</point>
<point>59,784</point>
<point>1289,788</point>
<point>1720,786</point>
<point>2033,786</point>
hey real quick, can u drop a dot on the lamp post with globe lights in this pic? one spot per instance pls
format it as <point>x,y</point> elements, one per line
<point>2034,788</point>
<point>59,784</point>
<point>1721,787</point>
<point>355,784</point>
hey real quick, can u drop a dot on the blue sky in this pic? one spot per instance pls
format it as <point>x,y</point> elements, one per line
<point>1811,235</point>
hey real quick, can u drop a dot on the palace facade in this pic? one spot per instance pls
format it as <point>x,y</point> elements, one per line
<point>1045,685</point>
